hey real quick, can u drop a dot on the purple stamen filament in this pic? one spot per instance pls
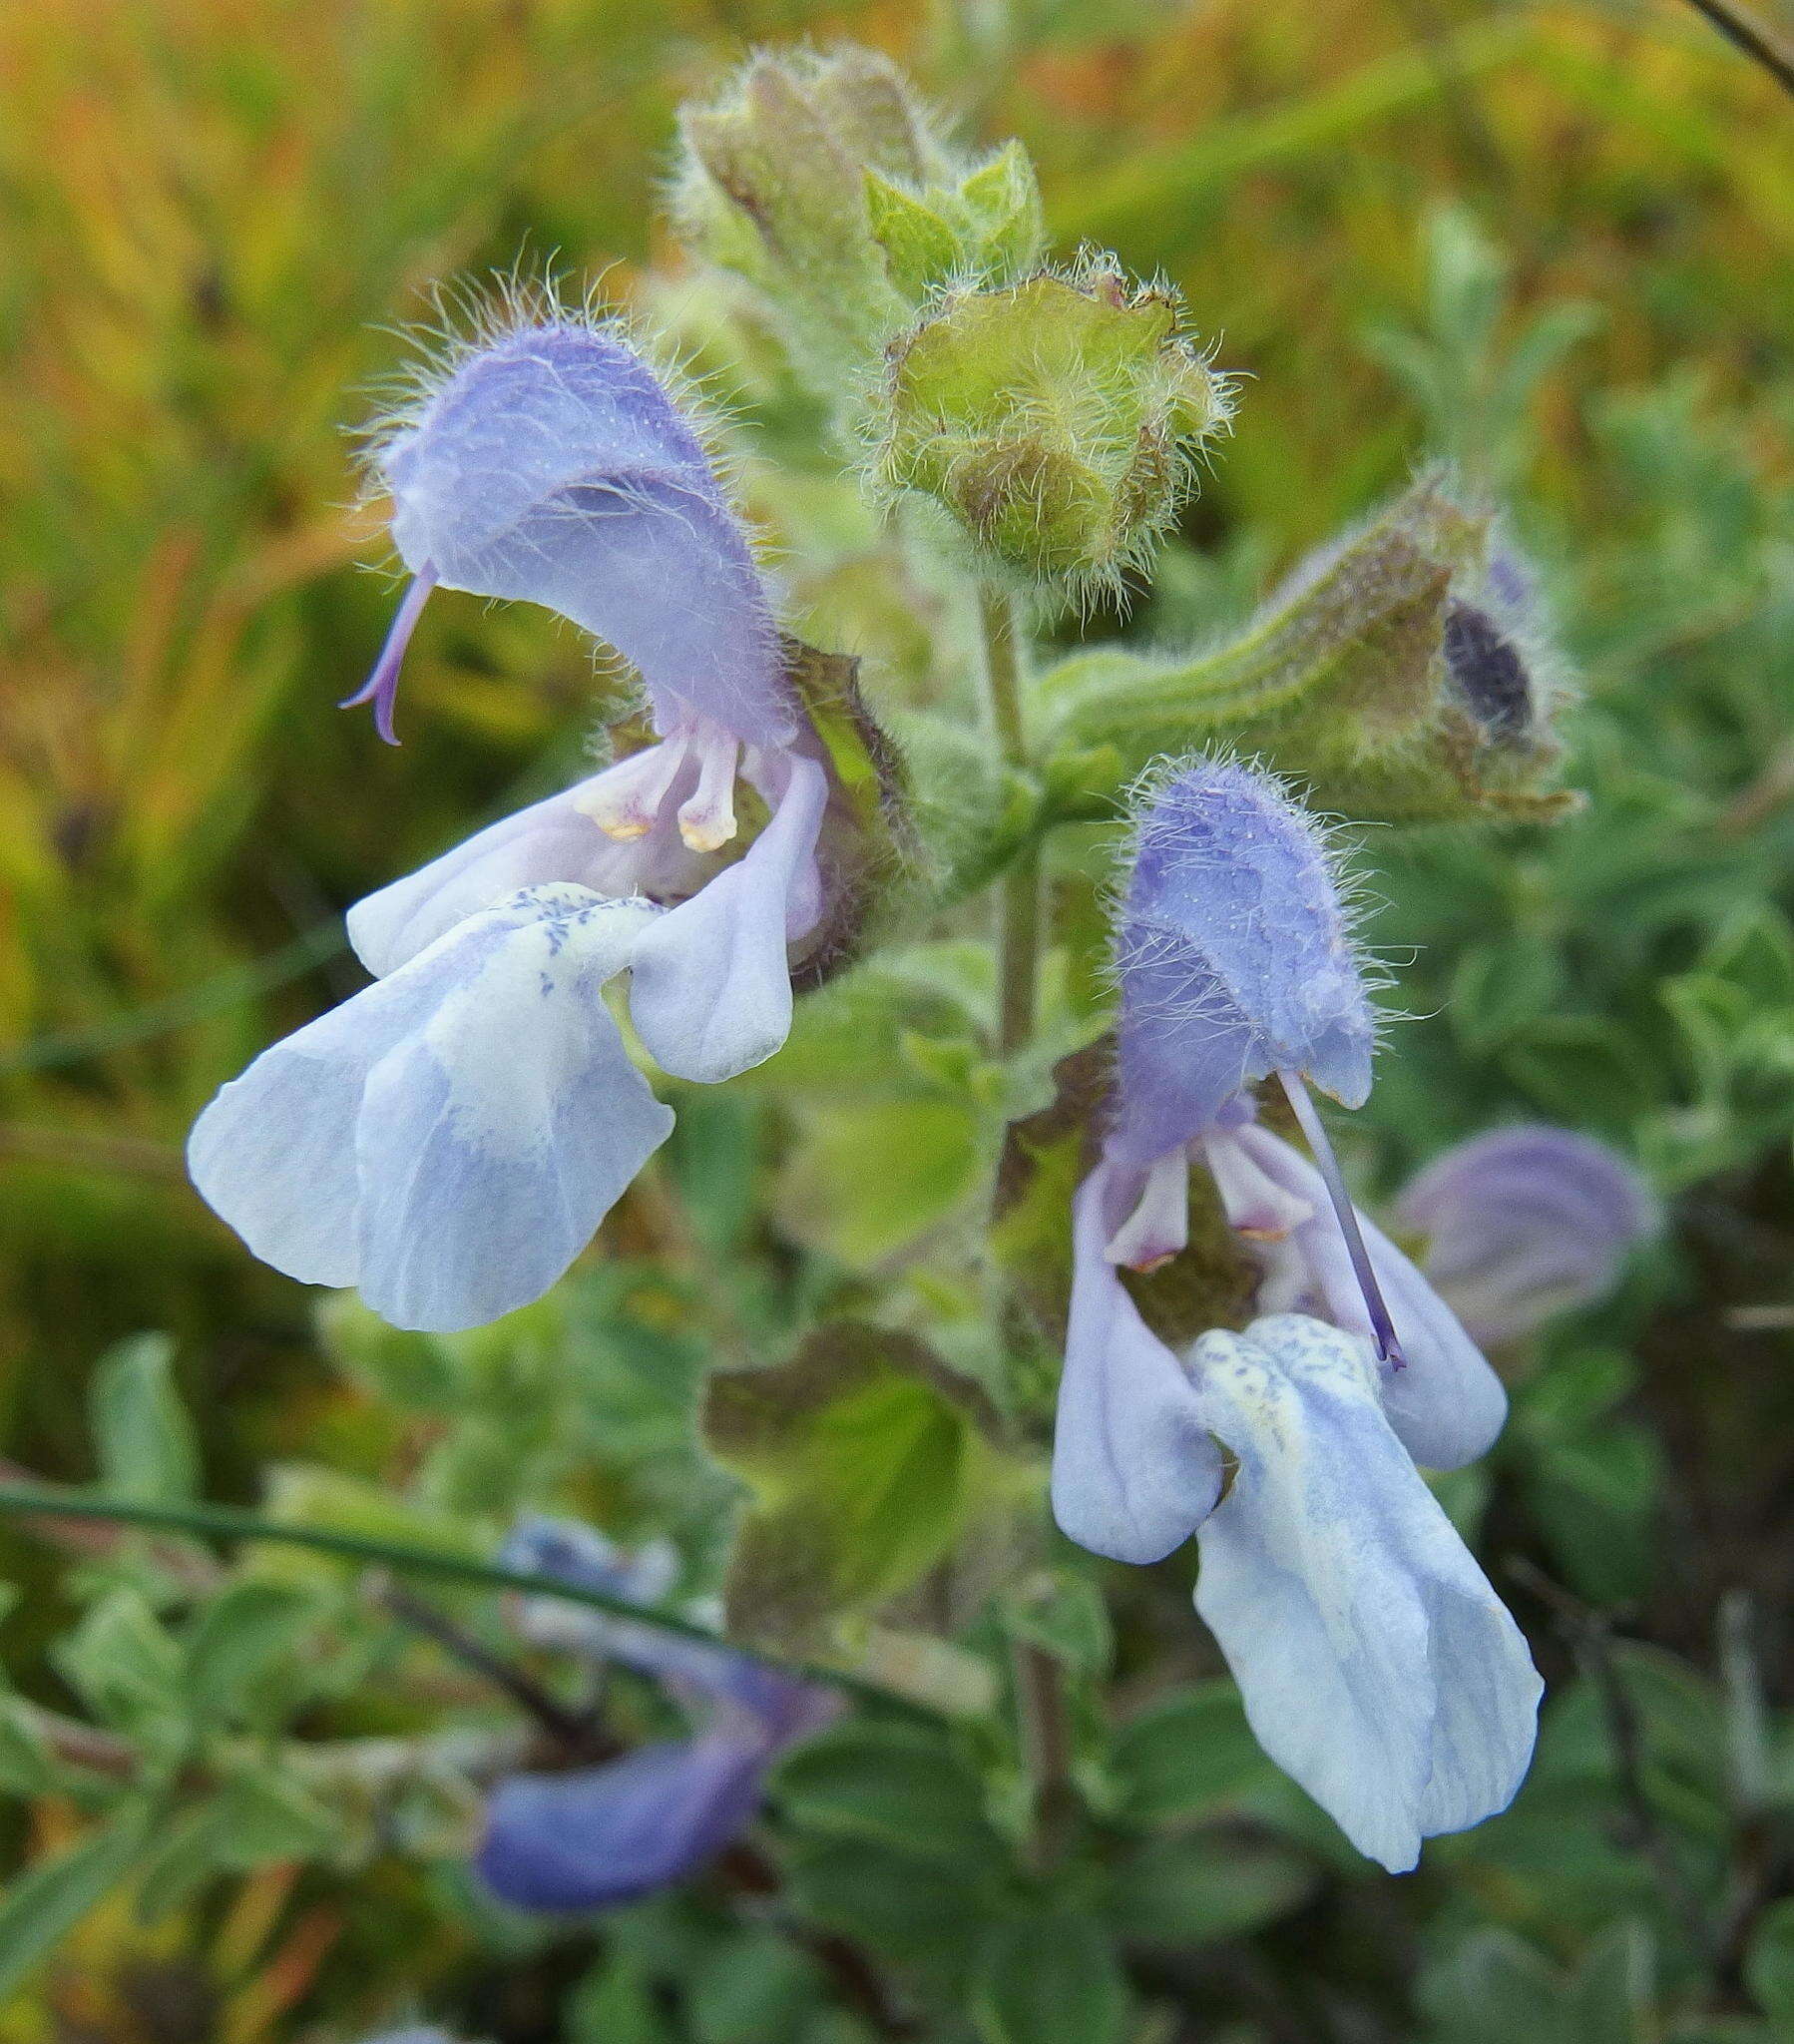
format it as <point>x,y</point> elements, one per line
<point>382,685</point>
<point>1389,1350</point>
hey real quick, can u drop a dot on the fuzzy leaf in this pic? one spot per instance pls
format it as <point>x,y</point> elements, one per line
<point>42,1905</point>
<point>1048,1980</point>
<point>859,1452</point>
<point>142,1433</point>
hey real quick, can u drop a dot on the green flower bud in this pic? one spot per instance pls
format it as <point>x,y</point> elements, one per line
<point>821,180</point>
<point>1059,422</point>
<point>1401,672</point>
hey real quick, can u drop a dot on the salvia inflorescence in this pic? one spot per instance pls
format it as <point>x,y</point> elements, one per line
<point>449,1140</point>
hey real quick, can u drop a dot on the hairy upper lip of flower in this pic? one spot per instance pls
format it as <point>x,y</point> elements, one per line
<point>548,461</point>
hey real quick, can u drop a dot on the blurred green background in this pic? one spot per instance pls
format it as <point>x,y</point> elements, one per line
<point>1555,241</point>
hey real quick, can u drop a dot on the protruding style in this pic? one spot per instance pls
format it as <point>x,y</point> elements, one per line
<point>1328,1572</point>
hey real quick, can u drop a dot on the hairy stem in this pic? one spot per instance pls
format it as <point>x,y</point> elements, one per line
<point>1042,1723</point>
<point>1019,898</point>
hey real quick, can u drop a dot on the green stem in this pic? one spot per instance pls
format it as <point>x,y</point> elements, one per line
<point>225,1522</point>
<point>1019,898</point>
<point>1042,1716</point>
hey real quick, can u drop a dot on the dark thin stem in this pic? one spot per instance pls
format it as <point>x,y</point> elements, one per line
<point>750,1873</point>
<point>1046,1732</point>
<point>1745,33</point>
<point>572,1729</point>
<point>224,1522</point>
<point>1590,1637</point>
<point>1306,1114</point>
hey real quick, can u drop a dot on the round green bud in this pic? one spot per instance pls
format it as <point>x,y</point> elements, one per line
<point>1059,422</point>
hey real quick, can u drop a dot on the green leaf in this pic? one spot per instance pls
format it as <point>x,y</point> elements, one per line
<point>253,1821</point>
<point>39,1908</point>
<point>124,1666</point>
<point>928,1161</point>
<point>415,1373</point>
<point>1499,990</point>
<point>1051,1979</point>
<point>1584,1070</point>
<point>26,1767</point>
<point>305,1494</point>
<point>1190,1755</point>
<point>750,1988</point>
<point>263,1815</point>
<point>1064,1614</point>
<point>1597,1501</point>
<point>1181,1891</point>
<point>1610,1996</point>
<point>616,2003</point>
<point>920,247</point>
<point>859,1451</point>
<point>142,1433</point>
<point>892,1785</point>
<point>1769,1965</point>
<point>1494,1989</point>
<point>238,1638</point>
<point>1001,202</point>
<point>913,1910</point>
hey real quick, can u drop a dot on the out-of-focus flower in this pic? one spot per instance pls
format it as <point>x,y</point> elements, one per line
<point>1338,1581</point>
<point>449,1140</point>
<point>1522,1224</point>
<point>602,1836</point>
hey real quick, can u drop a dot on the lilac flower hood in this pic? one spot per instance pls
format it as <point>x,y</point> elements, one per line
<point>553,467</point>
<point>1233,958</point>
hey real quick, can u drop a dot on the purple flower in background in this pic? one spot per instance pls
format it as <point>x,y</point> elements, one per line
<point>607,1834</point>
<point>1521,1224</point>
<point>449,1140</point>
<point>1329,1575</point>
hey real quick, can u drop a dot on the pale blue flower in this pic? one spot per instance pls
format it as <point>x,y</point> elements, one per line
<point>601,1835</point>
<point>1234,958</point>
<point>553,466</point>
<point>1234,962</point>
<point>448,1140</point>
<point>1376,1665</point>
<point>550,463</point>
